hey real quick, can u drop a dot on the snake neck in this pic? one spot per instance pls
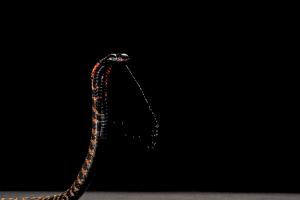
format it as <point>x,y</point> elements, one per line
<point>100,81</point>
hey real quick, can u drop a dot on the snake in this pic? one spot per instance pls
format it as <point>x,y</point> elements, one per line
<point>100,80</point>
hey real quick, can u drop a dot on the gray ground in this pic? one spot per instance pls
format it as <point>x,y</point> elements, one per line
<point>165,196</point>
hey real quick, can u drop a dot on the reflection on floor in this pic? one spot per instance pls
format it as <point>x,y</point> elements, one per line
<point>162,196</point>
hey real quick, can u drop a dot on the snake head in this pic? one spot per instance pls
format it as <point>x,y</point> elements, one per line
<point>119,57</point>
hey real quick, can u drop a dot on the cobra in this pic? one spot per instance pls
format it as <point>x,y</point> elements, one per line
<point>100,79</point>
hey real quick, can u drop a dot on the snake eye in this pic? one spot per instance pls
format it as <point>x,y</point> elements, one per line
<point>112,56</point>
<point>124,55</point>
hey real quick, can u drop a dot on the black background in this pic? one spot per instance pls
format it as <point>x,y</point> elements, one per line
<point>223,97</point>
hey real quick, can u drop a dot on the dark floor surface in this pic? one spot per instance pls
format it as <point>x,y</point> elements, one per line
<point>165,196</point>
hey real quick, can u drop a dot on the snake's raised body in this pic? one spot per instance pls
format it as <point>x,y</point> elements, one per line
<point>100,79</point>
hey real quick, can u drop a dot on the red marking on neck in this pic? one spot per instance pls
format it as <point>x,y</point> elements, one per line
<point>96,67</point>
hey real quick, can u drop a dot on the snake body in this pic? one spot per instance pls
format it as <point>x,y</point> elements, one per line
<point>99,81</point>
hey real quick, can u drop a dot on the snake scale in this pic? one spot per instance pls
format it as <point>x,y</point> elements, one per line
<point>100,80</point>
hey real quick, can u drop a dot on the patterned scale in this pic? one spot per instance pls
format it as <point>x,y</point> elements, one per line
<point>112,113</point>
